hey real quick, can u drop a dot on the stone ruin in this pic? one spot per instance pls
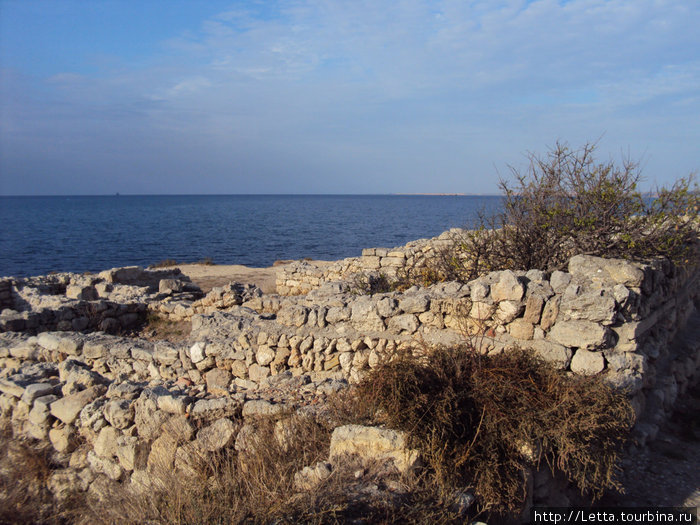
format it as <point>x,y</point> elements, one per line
<point>113,406</point>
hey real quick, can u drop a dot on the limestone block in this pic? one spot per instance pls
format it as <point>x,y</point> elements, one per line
<point>615,270</point>
<point>218,407</point>
<point>292,315</point>
<point>554,353</point>
<point>179,428</point>
<point>35,390</point>
<point>48,341</point>
<point>198,352</point>
<point>218,381</point>
<point>479,290</point>
<point>94,350</point>
<point>370,262</point>
<point>533,308</point>
<point>161,458</point>
<point>132,453</point>
<point>582,334</point>
<point>165,354</point>
<point>82,293</point>
<point>550,313</point>
<point>172,404</point>
<point>141,353</point>
<point>559,281</point>
<point>12,388</point>
<point>480,311</point>
<point>404,323</point>
<point>414,304</point>
<point>507,311</point>
<point>106,443</point>
<point>332,362</point>
<point>521,329</point>
<point>260,407</point>
<point>337,314</point>
<point>594,306</point>
<point>374,443</point>
<point>387,306</point>
<point>508,287</point>
<point>63,438</point>
<point>77,372</point>
<point>119,413</point>
<point>587,363</point>
<point>67,409</point>
<point>216,436</point>
<point>345,360</point>
<point>257,373</point>
<point>265,355</point>
<point>392,262</point>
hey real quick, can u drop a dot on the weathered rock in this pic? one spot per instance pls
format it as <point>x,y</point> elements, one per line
<point>533,309</point>
<point>131,453</point>
<point>63,438</point>
<point>179,428</point>
<point>262,408</point>
<point>615,270</point>
<point>404,323</point>
<point>78,373</point>
<point>106,443</point>
<point>374,443</point>
<point>216,436</point>
<point>219,407</point>
<point>550,313</point>
<point>119,413</point>
<point>582,334</point>
<point>311,477</point>
<point>414,304</point>
<point>587,363</point>
<point>197,352</point>
<point>508,287</point>
<point>265,355</point>
<point>35,390</point>
<point>521,329</point>
<point>218,381</point>
<point>68,408</point>
<point>594,306</point>
<point>105,466</point>
<point>507,311</point>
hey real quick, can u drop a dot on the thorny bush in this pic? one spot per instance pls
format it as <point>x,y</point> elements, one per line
<point>565,204</point>
<point>482,420</point>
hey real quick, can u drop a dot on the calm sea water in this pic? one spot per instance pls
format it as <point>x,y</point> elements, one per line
<point>77,234</point>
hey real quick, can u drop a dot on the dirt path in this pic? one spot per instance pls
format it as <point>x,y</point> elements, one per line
<point>208,276</point>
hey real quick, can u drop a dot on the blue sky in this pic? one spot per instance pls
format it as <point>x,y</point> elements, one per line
<point>319,96</point>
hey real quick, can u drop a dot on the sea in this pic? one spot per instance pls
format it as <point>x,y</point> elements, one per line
<point>39,235</point>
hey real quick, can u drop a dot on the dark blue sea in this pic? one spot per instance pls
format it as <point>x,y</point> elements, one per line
<point>77,234</point>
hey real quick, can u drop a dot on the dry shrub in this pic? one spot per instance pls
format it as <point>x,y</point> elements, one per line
<point>24,470</point>
<point>475,418</point>
<point>567,203</point>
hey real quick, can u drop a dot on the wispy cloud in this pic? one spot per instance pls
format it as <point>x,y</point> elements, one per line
<point>309,96</point>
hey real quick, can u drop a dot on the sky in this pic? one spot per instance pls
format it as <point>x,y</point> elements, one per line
<point>323,96</point>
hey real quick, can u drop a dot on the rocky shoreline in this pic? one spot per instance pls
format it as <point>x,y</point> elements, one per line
<point>76,370</point>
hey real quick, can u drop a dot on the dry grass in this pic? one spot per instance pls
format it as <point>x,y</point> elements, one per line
<point>160,328</point>
<point>24,470</point>
<point>226,487</point>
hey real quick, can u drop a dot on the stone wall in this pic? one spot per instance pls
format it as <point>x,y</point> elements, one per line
<point>118,407</point>
<point>304,276</point>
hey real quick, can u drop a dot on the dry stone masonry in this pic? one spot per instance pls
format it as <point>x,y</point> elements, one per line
<point>117,407</point>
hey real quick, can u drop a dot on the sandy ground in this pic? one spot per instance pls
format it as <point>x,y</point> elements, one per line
<point>208,276</point>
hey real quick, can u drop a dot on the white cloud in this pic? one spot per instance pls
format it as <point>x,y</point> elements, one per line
<point>377,92</point>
